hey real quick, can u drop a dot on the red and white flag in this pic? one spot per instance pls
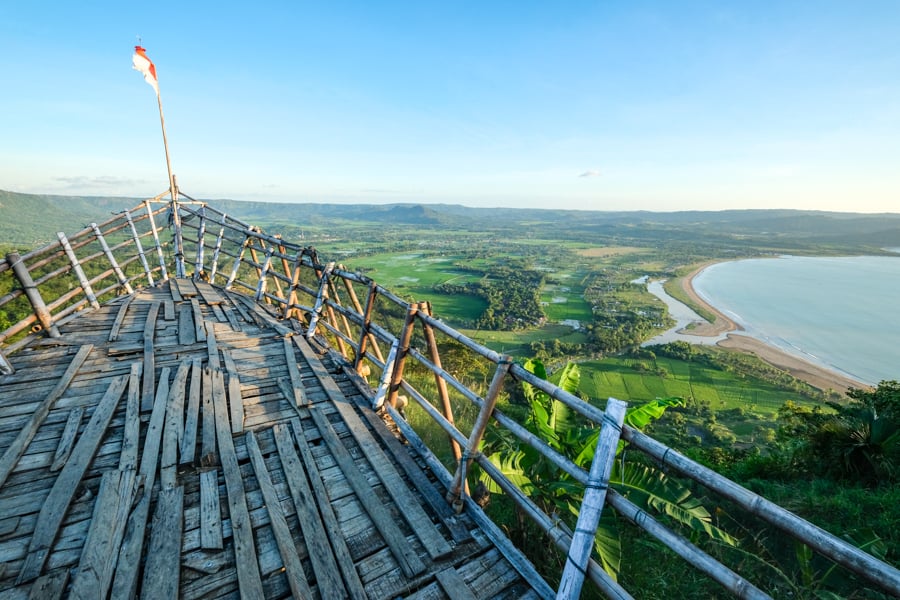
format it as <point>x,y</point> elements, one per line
<point>143,64</point>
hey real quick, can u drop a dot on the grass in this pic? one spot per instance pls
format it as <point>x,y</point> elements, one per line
<point>643,380</point>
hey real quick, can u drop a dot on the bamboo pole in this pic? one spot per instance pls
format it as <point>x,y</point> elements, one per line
<point>384,383</point>
<point>592,504</point>
<point>79,272</point>
<point>201,232</point>
<point>33,294</point>
<point>402,351</point>
<point>237,261</point>
<point>159,250</point>
<point>365,334</point>
<point>439,381</point>
<point>455,492</point>
<point>139,247</point>
<point>289,309</point>
<point>262,283</point>
<point>320,299</point>
<point>6,367</point>
<point>123,281</point>
<point>218,249</point>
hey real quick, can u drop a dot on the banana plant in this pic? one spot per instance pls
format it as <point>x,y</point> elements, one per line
<point>557,493</point>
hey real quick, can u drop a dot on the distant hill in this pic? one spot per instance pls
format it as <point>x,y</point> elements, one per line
<point>32,220</point>
<point>29,220</point>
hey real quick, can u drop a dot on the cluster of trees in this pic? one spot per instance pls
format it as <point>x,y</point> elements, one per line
<point>512,294</point>
<point>612,333</point>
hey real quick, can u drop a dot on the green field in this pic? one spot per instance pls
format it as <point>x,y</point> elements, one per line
<point>639,380</point>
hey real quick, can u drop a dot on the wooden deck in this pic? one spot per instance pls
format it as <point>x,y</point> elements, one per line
<point>181,442</point>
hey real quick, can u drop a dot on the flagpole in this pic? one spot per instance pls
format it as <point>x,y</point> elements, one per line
<point>176,218</point>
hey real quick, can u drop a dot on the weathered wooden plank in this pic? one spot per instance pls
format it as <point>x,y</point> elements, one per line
<point>50,586</point>
<point>412,510</point>
<point>131,436</point>
<point>209,293</point>
<point>210,511</point>
<point>186,287</point>
<point>173,289</point>
<point>317,530</point>
<point>208,454</point>
<point>128,564</point>
<point>186,333</point>
<point>454,585</point>
<point>54,508</point>
<point>8,525</point>
<point>168,309</point>
<point>17,447</point>
<point>67,440</point>
<point>101,546</point>
<point>219,313</point>
<point>249,580</point>
<point>174,428</point>
<point>232,319</point>
<point>294,373</point>
<point>199,329</point>
<point>120,318</point>
<point>416,475</point>
<point>212,348</point>
<point>149,371</point>
<point>241,309</point>
<point>189,441</point>
<point>162,573</point>
<point>409,561</point>
<point>235,401</point>
<point>293,569</point>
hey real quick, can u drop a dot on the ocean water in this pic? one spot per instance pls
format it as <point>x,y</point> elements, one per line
<point>843,313</point>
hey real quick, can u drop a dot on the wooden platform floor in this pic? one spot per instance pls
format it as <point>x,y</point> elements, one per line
<point>181,442</point>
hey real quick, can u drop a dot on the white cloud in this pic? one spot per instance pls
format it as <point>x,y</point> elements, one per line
<point>591,173</point>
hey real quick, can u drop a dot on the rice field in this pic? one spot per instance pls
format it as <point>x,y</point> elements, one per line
<point>636,380</point>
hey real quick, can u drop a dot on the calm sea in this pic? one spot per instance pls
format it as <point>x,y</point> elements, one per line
<point>843,313</point>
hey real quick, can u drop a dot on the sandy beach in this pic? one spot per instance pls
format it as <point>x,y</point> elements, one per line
<point>817,376</point>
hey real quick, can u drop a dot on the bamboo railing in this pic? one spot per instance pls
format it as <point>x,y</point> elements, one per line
<point>380,337</point>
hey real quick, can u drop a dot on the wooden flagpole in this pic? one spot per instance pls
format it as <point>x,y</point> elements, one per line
<point>173,190</point>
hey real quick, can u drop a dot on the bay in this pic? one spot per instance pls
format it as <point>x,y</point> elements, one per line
<point>842,313</point>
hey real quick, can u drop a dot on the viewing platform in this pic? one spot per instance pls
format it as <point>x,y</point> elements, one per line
<point>175,443</point>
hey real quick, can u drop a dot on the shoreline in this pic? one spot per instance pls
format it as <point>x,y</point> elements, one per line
<point>818,376</point>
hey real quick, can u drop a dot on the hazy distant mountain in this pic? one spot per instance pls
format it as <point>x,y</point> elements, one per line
<point>29,220</point>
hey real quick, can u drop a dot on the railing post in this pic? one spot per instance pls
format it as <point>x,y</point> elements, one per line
<point>79,272</point>
<point>215,258</point>
<point>385,382</point>
<point>237,261</point>
<point>320,299</point>
<point>263,276</point>
<point>592,503</point>
<point>178,239</point>
<point>159,250</point>
<point>6,367</point>
<point>201,233</point>
<point>365,334</point>
<point>123,281</point>
<point>292,289</point>
<point>454,493</point>
<point>439,381</point>
<point>402,351</point>
<point>33,294</point>
<point>140,248</point>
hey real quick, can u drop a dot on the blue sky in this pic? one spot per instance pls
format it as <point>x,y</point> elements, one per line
<point>589,105</point>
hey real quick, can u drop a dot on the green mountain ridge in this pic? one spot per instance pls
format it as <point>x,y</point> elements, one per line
<point>30,220</point>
